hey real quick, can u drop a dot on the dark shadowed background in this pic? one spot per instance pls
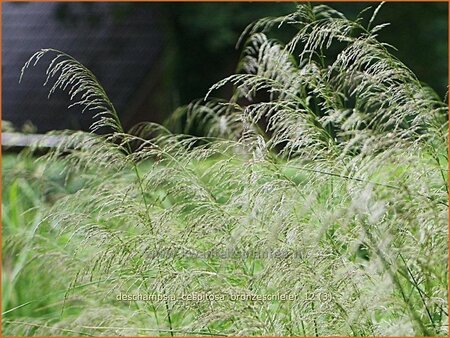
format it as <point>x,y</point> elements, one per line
<point>153,57</point>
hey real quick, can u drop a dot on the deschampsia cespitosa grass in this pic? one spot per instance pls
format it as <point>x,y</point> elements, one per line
<point>324,176</point>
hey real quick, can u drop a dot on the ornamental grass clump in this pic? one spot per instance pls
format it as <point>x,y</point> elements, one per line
<point>324,177</point>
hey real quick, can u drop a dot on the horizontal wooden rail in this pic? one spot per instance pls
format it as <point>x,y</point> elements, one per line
<point>19,140</point>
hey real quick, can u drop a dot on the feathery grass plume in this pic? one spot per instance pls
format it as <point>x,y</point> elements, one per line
<point>83,87</point>
<point>323,178</point>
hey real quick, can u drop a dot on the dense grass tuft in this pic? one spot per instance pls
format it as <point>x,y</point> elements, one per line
<point>324,177</point>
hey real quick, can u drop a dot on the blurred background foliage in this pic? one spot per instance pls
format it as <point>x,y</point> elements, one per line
<point>204,36</point>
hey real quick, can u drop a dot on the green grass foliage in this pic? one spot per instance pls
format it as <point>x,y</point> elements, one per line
<point>324,177</point>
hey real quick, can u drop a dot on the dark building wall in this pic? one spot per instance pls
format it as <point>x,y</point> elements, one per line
<point>121,44</point>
